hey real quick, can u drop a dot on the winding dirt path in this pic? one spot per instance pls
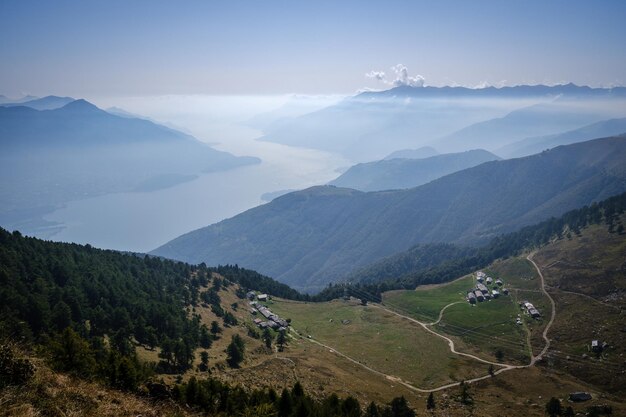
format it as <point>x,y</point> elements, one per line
<point>504,367</point>
<point>426,326</point>
<point>534,359</point>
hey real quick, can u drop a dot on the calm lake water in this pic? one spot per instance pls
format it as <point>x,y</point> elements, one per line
<point>143,221</point>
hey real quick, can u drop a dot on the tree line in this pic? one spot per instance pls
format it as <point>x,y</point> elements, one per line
<point>377,279</point>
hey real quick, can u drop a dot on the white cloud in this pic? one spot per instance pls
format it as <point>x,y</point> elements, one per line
<point>379,75</point>
<point>402,77</point>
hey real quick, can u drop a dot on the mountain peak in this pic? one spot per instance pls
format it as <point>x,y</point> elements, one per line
<point>80,105</point>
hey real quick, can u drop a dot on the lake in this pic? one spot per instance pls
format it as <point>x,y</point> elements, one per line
<point>143,221</point>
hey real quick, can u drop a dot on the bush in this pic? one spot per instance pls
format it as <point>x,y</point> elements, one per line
<point>14,370</point>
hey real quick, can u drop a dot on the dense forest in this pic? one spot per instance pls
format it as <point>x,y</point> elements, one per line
<point>68,297</point>
<point>85,310</point>
<point>423,264</point>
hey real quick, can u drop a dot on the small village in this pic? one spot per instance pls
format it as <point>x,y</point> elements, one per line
<point>482,293</point>
<point>271,320</point>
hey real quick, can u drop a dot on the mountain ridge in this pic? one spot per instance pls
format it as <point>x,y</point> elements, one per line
<point>324,233</point>
<point>536,144</point>
<point>399,173</point>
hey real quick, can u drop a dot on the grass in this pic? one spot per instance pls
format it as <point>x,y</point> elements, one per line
<point>380,340</point>
<point>516,273</point>
<point>487,328</point>
<point>587,281</point>
<point>425,303</point>
<point>482,329</point>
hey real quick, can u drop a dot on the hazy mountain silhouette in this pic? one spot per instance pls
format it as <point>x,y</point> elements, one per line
<point>406,173</point>
<point>371,125</point>
<point>44,103</point>
<point>533,145</point>
<point>423,152</point>
<point>540,119</point>
<point>77,151</point>
<point>312,237</point>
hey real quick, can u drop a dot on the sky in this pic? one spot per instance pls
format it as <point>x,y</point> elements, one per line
<point>142,48</point>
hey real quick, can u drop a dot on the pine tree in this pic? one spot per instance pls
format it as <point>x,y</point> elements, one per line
<point>285,404</point>
<point>430,403</point>
<point>281,341</point>
<point>235,351</point>
<point>267,338</point>
<point>553,407</point>
<point>372,410</point>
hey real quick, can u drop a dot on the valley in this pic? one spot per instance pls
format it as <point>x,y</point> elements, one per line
<point>313,209</point>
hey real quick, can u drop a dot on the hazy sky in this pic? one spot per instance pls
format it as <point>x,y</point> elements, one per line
<point>99,48</point>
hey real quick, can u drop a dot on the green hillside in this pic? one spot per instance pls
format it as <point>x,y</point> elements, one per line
<point>316,236</point>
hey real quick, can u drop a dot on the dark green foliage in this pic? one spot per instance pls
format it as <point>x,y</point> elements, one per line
<point>218,310</point>
<point>351,407</point>
<point>205,338</point>
<point>176,355</point>
<point>465,397</point>
<point>311,237</point>
<point>281,340</point>
<point>216,398</point>
<point>418,258</point>
<point>13,369</point>
<point>235,351</point>
<point>297,390</point>
<point>501,247</point>
<point>267,338</point>
<point>569,412</point>
<point>70,353</point>
<point>599,410</point>
<point>400,408</point>
<point>215,328</point>
<point>553,407</point>
<point>211,297</point>
<point>204,361</point>
<point>253,332</point>
<point>229,319</point>
<point>372,410</point>
<point>49,286</point>
<point>430,403</point>
<point>249,279</point>
<point>285,404</point>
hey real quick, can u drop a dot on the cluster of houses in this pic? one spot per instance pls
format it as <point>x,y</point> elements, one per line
<point>269,320</point>
<point>531,309</point>
<point>482,292</point>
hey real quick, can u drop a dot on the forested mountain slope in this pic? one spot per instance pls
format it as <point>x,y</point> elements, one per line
<point>312,237</point>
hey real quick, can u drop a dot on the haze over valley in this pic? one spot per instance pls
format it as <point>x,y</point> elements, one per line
<point>329,209</point>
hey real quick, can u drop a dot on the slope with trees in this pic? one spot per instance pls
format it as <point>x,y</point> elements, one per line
<point>312,237</point>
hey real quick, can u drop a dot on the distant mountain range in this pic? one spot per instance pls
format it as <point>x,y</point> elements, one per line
<point>371,125</point>
<point>533,145</point>
<point>8,100</point>
<point>390,174</point>
<point>540,119</point>
<point>76,151</point>
<point>518,91</point>
<point>45,103</point>
<point>310,238</point>
<point>423,152</point>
